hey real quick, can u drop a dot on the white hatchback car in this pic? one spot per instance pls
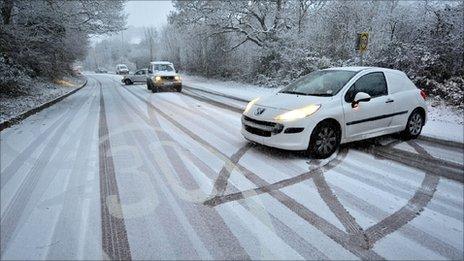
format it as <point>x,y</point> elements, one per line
<point>338,105</point>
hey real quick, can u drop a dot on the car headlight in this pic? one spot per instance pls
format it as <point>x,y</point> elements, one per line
<point>157,78</point>
<point>250,104</point>
<point>298,113</point>
<point>177,78</point>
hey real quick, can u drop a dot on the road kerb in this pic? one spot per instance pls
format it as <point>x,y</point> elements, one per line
<point>17,119</point>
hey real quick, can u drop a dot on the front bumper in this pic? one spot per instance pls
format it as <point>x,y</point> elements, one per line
<point>288,136</point>
<point>167,84</point>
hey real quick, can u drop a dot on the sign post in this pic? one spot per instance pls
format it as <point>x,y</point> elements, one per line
<point>361,44</point>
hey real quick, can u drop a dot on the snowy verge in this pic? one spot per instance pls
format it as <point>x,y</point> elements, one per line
<point>444,122</point>
<point>230,88</point>
<point>36,96</point>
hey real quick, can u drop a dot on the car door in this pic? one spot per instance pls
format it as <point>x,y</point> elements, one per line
<point>366,118</point>
<point>139,76</point>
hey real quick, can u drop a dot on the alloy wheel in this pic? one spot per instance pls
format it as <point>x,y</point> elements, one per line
<point>415,124</point>
<point>326,140</point>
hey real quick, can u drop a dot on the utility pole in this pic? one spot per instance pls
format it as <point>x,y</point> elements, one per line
<point>151,48</point>
<point>122,46</point>
<point>95,57</point>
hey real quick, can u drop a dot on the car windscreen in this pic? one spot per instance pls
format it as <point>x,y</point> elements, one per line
<point>163,67</point>
<point>320,83</point>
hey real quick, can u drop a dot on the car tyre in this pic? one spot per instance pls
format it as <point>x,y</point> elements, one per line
<point>179,89</point>
<point>154,89</point>
<point>127,82</point>
<point>324,140</point>
<point>414,125</point>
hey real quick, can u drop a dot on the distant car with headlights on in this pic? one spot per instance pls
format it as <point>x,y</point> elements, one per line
<point>122,69</point>
<point>320,111</point>
<point>138,76</point>
<point>163,76</point>
<point>100,70</point>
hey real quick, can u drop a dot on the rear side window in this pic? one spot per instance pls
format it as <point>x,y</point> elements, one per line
<point>373,84</point>
<point>398,81</point>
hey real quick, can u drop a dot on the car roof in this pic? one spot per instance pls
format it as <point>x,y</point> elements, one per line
<point>160,62</point>
<point>361,68</point>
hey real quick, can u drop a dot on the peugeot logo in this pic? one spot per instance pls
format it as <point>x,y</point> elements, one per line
<point>259,111</point>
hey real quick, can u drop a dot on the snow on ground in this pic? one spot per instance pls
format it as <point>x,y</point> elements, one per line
<point>236,89</point>
<point>36,95</point>
<point>444,122</point>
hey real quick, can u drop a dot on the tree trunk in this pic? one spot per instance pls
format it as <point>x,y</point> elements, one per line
<point>6,10</point>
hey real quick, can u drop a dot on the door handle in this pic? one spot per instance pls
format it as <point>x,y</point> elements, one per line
<point>389,101</point>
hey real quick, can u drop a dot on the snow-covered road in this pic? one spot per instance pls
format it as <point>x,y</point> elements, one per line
<point>117,172</point>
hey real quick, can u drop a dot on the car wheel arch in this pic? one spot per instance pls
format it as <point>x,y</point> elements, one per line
<point>332,121</point>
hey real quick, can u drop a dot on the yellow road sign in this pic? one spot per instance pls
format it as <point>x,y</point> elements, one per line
<point>362,41</point>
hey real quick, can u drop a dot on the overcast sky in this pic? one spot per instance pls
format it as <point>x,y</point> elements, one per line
<point>148,13</point>
<point>142,14</point>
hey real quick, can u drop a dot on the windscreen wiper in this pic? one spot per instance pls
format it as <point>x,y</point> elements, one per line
<point>293,92</point>
<point>319,94</point>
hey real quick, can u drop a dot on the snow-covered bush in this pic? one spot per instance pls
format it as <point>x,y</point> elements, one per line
<point>450,91</point>
<point>13,78</point>
<point>279,68</point>
<point>45,38</point>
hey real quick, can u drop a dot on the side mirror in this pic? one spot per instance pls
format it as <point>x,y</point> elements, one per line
<point>360,97</point>
<point>177,71</point>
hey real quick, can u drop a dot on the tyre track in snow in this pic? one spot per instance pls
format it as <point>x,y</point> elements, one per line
<point>202,219</point>
<point>321,224</point>
<point>423,161</point>
<point>417,203</point>
<point>298,243</point>
<point>221,199</point>
<point>408,231</point>
<point>15,164</point>
<point>115,244</point>
<point>294,240</point>
<point>327,195</point>
<point>14,212</point>
<point>187,115</point>
<point>433,170</point>
<point>72,207</point>
<point>199,114</point>
<point>348,221</point>
<point>219,104</point>
<point>435,244</point>
<point>355,231</point>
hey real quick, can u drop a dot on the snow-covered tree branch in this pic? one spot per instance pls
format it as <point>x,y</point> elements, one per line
<point>45,37</point>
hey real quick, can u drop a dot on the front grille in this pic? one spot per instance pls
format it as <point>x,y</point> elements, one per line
<point>261,128</point>
<point>265,123</point>
<point>258,131</point>
<point>167,78</point>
